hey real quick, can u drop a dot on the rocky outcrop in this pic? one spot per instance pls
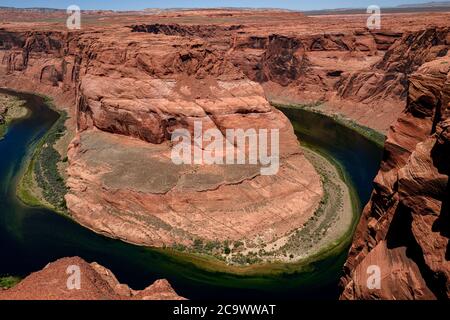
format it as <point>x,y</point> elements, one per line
<point>404,229</point>
<point>155,90</point>
<point>59,281</point>
<point>133,89</point>
<point>332,68</point>
<point>387,79</point>
<point>44,62</point>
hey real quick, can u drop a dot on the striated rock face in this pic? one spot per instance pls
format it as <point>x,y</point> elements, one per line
<point>405,227</point>
<point>387,79</point>
<point>56,282</point>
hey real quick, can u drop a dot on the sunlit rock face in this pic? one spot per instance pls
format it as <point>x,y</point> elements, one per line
<point>404,228</point>
<point>75,279</point>
<point>131,91</point>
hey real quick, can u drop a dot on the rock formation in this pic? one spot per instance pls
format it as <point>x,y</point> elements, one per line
<point>404,228</point>
<point>133,89</point>
<point>96,282</point>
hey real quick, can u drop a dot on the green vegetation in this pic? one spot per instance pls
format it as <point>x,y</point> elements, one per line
<point>369,133</point>
<point>315,228</point>
<point>213,264</point>
<point>42,171</point>
<point>26,185</point>
<point>3,129</point>
<point>210,248</point>
<point>9,282</point>
<point>46,167</point>
<point>11,108</point>
<point>244,265</point>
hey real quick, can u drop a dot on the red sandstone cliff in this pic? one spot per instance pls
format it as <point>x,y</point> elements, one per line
<point>95,283</point>
<point>405,227</point>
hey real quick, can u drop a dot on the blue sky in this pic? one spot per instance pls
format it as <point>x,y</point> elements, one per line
<point>140,4</point>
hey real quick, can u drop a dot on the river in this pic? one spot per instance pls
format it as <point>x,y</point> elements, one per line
<point>32,237</point>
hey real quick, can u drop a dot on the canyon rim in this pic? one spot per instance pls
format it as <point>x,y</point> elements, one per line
<point>126,81</point>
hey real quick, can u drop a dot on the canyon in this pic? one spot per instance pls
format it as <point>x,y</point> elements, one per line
<point>127,81</point>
